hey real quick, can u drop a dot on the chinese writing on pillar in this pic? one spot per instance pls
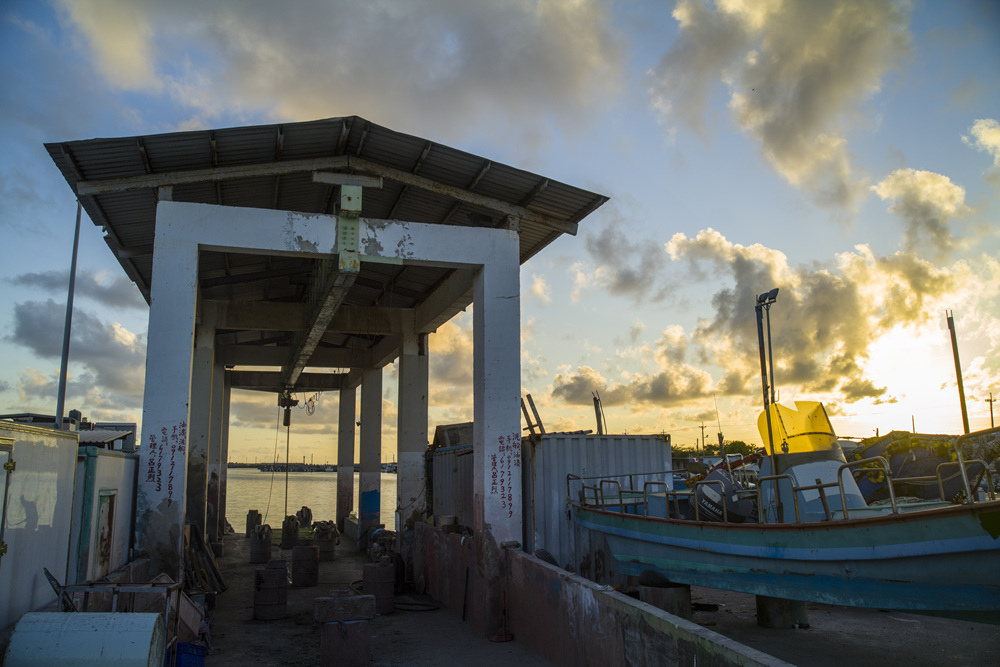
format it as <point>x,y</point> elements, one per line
<point>171,441</point>
<point>504,465</point>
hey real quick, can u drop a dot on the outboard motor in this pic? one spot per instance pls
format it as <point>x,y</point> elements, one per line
<point>716,489</point>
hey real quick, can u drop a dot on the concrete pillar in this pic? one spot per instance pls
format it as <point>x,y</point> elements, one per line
<point>369,499</point>
<point>411,439</point>
<point>216,461</point>
<point>200,424</point>
<point>345,455</point>
<point>224,452</point>
<point>497,418</point>
<point>160,507</point>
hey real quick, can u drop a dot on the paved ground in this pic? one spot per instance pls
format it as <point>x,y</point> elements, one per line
<point>837,636</point>
<point>401,638</point>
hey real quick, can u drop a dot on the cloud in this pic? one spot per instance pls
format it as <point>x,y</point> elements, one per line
<point>824,325</point>
<point>450,365</point>
<point>540,289</point>
<point>928,203</point>
<point>388,61</point>
<point>797,74</point>
<point>626,264</point>
<point>112,358</point>
<point>119,292</point>
<point>986,138</point>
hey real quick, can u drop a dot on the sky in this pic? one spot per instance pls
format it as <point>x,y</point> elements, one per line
<point>845,152</point>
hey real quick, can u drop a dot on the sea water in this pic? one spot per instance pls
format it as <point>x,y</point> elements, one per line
<point>250,489</point>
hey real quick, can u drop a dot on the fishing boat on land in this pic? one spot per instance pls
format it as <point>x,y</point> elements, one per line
<point>812,538</point>
<point>804,531</point>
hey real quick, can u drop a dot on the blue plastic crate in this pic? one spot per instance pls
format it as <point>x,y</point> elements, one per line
<point>188,655</point>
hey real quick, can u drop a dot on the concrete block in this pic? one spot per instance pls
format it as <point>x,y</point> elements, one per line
<point>781,613</point>
<point>346,644</point>
<point>674,599</point>
<point>347,607</point>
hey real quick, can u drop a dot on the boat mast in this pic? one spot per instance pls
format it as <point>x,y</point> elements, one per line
<point>763,304</point>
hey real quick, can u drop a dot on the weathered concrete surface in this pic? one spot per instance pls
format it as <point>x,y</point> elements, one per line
<point>573,621</point>
<point>566,618</point>
<point>422,635</point>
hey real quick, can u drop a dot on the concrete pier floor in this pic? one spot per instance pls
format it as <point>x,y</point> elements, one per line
<point>837,636</point>
<point>438,637</point>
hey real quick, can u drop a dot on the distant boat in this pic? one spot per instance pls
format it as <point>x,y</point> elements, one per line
<point>812,537</point>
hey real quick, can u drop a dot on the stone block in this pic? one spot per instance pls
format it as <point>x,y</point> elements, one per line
<point>347,607</point>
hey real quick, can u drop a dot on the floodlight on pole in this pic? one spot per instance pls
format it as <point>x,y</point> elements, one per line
<point>764,302</point>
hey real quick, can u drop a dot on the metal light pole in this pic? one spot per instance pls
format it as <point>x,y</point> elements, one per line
<point>958,370</point>
<point>64,365</point>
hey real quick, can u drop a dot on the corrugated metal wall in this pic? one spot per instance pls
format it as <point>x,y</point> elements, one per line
<point>547,521</point>
<point>453,473</point>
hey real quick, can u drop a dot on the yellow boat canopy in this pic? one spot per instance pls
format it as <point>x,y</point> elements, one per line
<point>804,429</point>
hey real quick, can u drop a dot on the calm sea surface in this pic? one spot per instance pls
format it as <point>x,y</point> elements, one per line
<point>250,489</point>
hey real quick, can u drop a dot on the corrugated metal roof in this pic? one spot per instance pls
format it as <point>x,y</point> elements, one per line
<point>270,166</point>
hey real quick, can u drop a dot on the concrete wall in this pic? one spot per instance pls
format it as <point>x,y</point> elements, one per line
<point>39,516</point>
<point>568,619</point>
<point>101,473</point>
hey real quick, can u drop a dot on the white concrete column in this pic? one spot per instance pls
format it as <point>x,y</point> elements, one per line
<point>224,451</point>
<point>200,424</point>
<point>163,453</point>
<point>369,499</point>
<point>217,459</point>
<point>411,432</point>
<point>345,454</point>
<point>497,395</point>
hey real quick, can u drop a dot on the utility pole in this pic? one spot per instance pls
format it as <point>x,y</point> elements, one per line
<point>703,438</point>
<point>991,401</point>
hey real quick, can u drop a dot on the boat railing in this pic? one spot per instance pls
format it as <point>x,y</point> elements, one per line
<point>965,479</point>
<point>668,495</point>
<point>777,495</point>
<point>969,496</point>
<point>866,466</point>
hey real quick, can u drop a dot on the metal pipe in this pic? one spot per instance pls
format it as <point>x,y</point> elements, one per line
<point>763,379</point>
<point>958,371</point>
<point>63,366</point>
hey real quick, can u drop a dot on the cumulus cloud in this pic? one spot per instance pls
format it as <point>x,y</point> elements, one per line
<point>117,292</point>
<point>540,289</point>
<point>627,265</point>
<point>797,74</point>
<point>450,365</point>
<point>112,358</point>
<point>928,203</point>
<point>824,325</point>
<point>985,138</point>
<point>388,61</point>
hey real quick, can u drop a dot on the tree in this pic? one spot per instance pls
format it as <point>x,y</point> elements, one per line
<point>740,447</point>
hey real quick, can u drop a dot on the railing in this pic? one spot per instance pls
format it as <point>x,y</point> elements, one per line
<point>868,465</point>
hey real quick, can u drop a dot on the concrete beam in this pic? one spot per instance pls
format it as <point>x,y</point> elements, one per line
<point>278,316</point>
<point>330,286</point>
<point>448,299</point>
<point>345,454</point>
<point>272,381</point>
<point>261,355</point>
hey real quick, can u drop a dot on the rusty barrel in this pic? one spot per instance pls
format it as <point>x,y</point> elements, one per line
<point>380,581</point>
<point>305,566</point>
<point>260,544</point>
<point>253,520</point>
<point>270,591</point>
<point>289,532</point>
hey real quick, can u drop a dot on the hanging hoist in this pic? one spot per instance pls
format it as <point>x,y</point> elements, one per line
<point>286,401</point>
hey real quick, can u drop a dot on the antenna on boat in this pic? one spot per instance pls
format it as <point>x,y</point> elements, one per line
<point>763,305</point>
<point>722,447</point>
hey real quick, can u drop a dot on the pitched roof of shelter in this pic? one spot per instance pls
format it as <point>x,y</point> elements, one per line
<point>282,166</point>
